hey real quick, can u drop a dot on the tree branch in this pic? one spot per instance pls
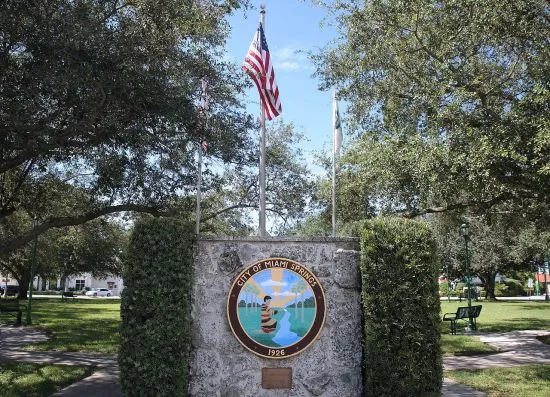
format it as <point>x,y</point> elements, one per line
<point>227,209</point>
<point>10,245</point>
<point>460,206</point>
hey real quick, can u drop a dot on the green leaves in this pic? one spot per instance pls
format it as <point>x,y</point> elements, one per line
<point>99,104</point>
<point>456,87</point>
<point>401,308</point>
<point>155,309</point>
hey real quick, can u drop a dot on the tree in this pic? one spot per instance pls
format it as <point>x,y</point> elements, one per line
<point>298,288</point>
<point>227,209</point>
<point>302,285</point>
<point>451,100</point>
<point>491,246</point>
<point>95,247</point>
<point>99,106</point>
<point>295,289</point>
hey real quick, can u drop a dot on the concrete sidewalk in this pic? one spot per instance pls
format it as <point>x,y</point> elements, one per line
<point>103,382</point>
<point>516,348</point>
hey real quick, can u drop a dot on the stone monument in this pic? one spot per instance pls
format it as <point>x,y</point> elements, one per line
<point>269,287</point>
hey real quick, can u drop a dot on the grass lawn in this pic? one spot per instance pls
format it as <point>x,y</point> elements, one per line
<point>37,380</point>
<point>495,317</point>
<point>80,325</point>
<point>524,381</point>
<point>504,316</point>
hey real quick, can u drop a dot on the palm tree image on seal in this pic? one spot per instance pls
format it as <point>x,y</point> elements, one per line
<point>287,305</point>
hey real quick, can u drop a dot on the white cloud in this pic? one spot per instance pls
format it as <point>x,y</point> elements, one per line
<point>285,53</point>
<point>272,283</point>
<point>289,58</point>
<point>286,293</point>
<point>287,65</point>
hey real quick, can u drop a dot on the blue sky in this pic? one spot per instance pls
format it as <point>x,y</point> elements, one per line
<point>290,26</point>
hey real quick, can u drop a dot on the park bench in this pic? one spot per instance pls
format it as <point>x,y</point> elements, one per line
<point>12,308</point>
<point>65,295</point>
<point>465,314</point>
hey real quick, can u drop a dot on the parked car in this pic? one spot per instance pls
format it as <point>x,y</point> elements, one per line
<point>13,290</point>
<point>98,292</point>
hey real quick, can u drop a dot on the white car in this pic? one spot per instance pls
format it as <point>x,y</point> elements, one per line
<point>98,292</point>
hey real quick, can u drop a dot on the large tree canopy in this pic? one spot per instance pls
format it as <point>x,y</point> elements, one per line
<point>99,106</point>
<point>452,101</point>
<point>289,188</point>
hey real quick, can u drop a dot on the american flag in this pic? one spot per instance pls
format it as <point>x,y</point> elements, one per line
<point>257,65</point>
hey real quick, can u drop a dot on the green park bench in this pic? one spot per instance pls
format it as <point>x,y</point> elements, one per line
<point>12,308</point>
<point>65,295</point>
<point>465,314</point>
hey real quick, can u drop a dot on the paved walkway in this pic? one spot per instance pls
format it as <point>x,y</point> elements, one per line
<point>103,382</point>
<point>516,348</point>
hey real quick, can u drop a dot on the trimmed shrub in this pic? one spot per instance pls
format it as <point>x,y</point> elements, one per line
<point>444,289</point>
<point>155,309</point>
<point>401,309</point>
<point>510,288</point>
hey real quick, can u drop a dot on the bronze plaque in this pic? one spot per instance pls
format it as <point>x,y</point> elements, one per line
<point>276,308</point>
<point>277,378</point>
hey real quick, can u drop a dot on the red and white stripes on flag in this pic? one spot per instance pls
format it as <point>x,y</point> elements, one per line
<point>257,65</point>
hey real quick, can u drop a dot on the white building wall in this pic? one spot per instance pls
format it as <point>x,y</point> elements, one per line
<point>114,283</point>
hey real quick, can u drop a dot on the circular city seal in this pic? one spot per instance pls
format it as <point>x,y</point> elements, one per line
<point>276,308</point>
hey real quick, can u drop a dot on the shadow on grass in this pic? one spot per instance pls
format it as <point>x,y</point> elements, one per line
<point>38,380</point>
<point>529,380</point>
<point>462,345</point>
<point>514,324</point>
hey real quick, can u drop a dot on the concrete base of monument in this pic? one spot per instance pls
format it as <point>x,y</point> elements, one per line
<point>221,365</point>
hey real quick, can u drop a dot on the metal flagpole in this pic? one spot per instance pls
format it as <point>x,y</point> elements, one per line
<point>262,151</point>
<point>336,146</point>
<point>199,176</point>
<point>333,165</point>
<point>199,182</point>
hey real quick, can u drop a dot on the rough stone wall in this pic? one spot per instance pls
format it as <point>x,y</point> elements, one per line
<point>330,367</point>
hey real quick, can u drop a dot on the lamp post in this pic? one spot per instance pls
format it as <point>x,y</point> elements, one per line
<point>448,284</point>
<point>547,298</point>
<point>465,231</point>
<point>33,269</point>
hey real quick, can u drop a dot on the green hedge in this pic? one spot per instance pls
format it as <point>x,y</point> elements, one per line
<point>155,309</point>
<point>510,288</point>
<point>401,309</point>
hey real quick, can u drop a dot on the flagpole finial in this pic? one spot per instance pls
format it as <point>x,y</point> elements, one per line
<point>262,8</point>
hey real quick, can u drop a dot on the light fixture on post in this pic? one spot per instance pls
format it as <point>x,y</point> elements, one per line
<point>465,232</point>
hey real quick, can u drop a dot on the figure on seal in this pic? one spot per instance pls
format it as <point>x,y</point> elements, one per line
<point>268,323</point>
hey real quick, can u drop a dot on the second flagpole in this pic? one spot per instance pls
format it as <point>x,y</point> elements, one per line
<point>334,160</point>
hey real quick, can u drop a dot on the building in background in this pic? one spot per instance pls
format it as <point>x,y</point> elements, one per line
<point>79,282</point>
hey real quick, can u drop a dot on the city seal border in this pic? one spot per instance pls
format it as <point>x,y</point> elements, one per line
<point>233,303</point>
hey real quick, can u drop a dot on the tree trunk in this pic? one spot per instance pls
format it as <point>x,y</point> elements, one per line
<point>23,285</point>
<point>489,281</point>
<point>302,296</point>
